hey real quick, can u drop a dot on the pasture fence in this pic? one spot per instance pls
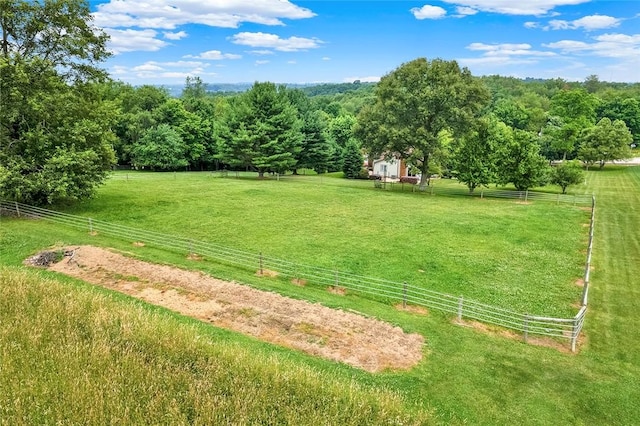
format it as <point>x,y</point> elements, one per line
<point>522,196</point>
<point>340,281</point>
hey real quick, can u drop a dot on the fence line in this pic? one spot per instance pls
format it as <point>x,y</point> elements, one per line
<point>463,309</point>
<point>524,196</point>
<point>587,268</point>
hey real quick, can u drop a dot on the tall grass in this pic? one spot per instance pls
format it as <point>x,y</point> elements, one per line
<point>73,355</point>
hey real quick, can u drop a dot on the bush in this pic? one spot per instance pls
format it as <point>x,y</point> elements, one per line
<point>409,179</point>
<point>364,174</point>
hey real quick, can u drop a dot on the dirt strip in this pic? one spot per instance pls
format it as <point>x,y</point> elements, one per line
<point>365,343</point>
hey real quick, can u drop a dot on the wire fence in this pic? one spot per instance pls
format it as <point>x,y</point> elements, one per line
<point>523,196</point>
<point>375,288</point>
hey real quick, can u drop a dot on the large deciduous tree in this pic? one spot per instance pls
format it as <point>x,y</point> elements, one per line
<point>566,174</point>
<point>55,137</point>
<point>474,156</point>
<point>262,131</point>
<point>415,104</point>
<point>571,111</point>
<point>520,163</point>
<point>606,141</point>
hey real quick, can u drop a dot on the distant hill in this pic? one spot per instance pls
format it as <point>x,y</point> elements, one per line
<point>311,89</point>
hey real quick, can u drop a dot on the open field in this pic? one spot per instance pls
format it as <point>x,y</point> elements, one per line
<point>466,375</point>
<point>486,250</point>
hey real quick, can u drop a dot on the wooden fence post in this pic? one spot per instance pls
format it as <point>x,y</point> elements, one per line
<point>460,303</point>
<point>261,269</point>
<point>17,209</point>
<point>526,328</point>
<point>526,195</point>
<point>90,226</point>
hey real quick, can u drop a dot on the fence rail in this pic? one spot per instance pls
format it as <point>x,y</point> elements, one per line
<point>463,309</point>
<point>524,196</point>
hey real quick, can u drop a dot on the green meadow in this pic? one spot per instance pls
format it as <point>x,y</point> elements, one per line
<point>72,352</point>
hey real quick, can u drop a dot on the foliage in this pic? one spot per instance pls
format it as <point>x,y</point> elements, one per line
<point>566,174</point>
<point>161,148</point>
<point>316,149</point>
<point>55,137</point>
<point>474,157</point>
<point>353,161</point>
<point>606,141</point>
<point>262,131</point>
<point>574,110</point>
<point>519,162</point>
<point>623,108</point>
<point>416,103</point>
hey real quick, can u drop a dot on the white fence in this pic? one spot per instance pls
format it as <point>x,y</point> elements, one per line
<point>379,289</point>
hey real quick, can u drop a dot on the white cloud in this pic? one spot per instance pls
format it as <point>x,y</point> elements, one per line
<point>168,14</point>
<point>161,71</point>
<point>148,67</point>
<point>623,46</point>
<point>261,62</point>
<point>370,79</point>
<point>588,23</point>
<point>326,58</point>
<point>515,7</point>
<point>272,41</point>
<point>261,52</point>
<point>175,36</point>
<point>292,62</point>
<point>214,55</point>
<point>428,12</point>
<point>531,25</point>
<point>466,11</point>
<point>133,40</point>
<point>504,54</point>
<point>507,50</point>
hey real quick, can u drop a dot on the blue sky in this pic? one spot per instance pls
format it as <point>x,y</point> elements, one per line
<point>232,41</point>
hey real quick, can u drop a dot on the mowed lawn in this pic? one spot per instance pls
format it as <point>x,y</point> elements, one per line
<point>467,376</point>
<point>525,257</point>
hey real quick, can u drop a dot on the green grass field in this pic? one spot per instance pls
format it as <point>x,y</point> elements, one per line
<point>521,257</point>
<point>496,251</point>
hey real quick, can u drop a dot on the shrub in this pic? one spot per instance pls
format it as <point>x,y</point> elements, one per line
<point>409,179</point>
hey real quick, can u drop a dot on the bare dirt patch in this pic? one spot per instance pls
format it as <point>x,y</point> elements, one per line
<point>580,282</point>
<point>412,308</point>
<point>337,290</point>
<point>337,335</point>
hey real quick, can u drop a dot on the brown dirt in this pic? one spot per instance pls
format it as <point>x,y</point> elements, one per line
<point>337,335</point>
<point>580,282</point>
<point>412,308</point>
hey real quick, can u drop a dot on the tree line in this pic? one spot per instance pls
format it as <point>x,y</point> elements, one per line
<point>65,123</point>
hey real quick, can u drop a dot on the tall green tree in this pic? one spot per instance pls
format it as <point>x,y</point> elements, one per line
<point>161,148</point>
<point>606,141</point>
<point>353,160</point>
<point>575,110</point>
<point>262,131</point>
<point>520,163</point>
<point>623,108</point>
<point>474,156</point>
<point>55,126</point>
<point>566,174</point>
<point>417,102</point>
